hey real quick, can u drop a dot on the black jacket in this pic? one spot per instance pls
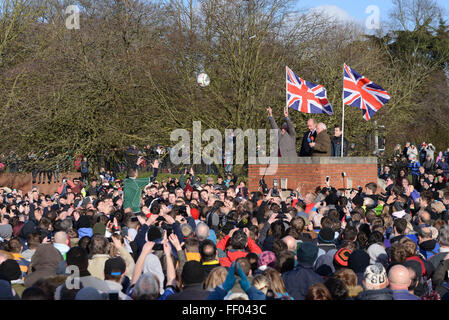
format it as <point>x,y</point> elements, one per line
<point>306,150</point>
<point>336,147</point>
<point>297,282</point>
<point>382,294</point>
<point>191,292</point>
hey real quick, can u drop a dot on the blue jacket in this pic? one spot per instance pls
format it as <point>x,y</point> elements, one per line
<point>403,295</point>
<point>429,248</point>
<point>415,167</point>
<point>297,282</point>
<point>219,294</point>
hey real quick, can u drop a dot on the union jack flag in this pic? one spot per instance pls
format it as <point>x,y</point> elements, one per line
<point>306,96</point>
<point>362,93</point>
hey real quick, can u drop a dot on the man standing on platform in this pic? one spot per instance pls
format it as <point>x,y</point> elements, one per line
<point>322,145</point>
<point>336,144</point>
<point>309,136</point>
<point>287,135</point>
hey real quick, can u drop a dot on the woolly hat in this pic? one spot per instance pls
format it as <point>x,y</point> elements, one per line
<point>153,233</point>
<point>326,235</point>
<point>341,257</point>
<point>10,270</point>
<point>84,222</point>
<point>5,231</point>
<point>267,259</point>
<point>193,272</point>
<point>358,200</point>
<point>307,253</point>
<point>99,228</point>
<point>358,261</point>
<point>194,213</point>
<point>375,274</point>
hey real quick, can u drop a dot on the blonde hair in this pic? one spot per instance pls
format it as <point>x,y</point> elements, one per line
<point>276,282</point>
<point>215,278</point>
<point>262,283</point>
<point>349,278</point>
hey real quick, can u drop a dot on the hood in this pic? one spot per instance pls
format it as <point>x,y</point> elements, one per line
<point>428,245</point>
<point>378,254</point>
<point>46,257</point>
<point>153,265</point>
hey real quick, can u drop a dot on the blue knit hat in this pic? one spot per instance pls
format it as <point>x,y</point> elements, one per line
<point>307,253</point>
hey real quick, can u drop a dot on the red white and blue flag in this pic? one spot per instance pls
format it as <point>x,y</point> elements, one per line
<point>362,93</point>
<point>306,96</point>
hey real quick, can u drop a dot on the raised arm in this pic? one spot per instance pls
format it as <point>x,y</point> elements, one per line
<point>270,117</point>
<point>290,128</point>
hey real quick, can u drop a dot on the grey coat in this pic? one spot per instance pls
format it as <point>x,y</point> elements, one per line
<point>287,141</point>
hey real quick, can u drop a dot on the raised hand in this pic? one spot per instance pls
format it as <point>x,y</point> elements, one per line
<point>244,283</point>
<point>272,218</point>
<point>117,243</point>
<point>286,112</point>
<point>175,241</point>
<point>148,247</point>
<point>229,282</point>
<point>270,112</point>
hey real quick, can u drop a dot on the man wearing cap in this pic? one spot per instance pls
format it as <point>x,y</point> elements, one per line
<point>375,284</point>
<point>286,137</point>
<point>326,239</point>
<point>114,272</point>
<point>298,281</point>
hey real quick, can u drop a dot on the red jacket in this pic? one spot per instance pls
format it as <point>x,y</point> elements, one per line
<point>232,255</point>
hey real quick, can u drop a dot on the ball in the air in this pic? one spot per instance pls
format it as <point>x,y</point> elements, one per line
<point>203,80</point>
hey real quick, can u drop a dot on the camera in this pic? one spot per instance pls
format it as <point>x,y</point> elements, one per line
<point>281,216</point>
<point>263,185</point>
<point>183,210</point>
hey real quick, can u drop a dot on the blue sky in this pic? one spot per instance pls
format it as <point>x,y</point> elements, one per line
<point>356,8</point>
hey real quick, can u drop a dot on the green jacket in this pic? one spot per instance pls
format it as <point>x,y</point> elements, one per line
<point>132,192</point>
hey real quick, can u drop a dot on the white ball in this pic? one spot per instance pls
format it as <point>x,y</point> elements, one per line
<point>203,80</point>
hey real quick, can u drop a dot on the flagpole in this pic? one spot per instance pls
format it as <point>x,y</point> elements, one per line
<point>343,112</point>
<point>286,89</point>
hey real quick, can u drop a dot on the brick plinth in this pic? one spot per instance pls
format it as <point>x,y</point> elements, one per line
<point>311,172</point>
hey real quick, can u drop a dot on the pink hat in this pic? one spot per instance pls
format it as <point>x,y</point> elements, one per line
<point>267,259</point>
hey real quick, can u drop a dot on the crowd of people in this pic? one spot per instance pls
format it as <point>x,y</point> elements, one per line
<point>187,239</point>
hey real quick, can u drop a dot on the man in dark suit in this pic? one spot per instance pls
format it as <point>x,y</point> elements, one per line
<point>309,137</point>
